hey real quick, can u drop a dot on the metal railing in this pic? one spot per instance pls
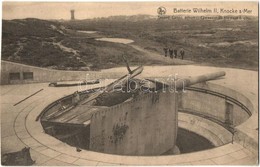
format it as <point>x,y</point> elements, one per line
<point>233,100</point>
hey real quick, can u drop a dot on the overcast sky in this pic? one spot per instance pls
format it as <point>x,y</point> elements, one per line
<point>85,10</point>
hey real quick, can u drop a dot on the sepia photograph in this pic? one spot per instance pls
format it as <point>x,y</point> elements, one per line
<point>134,83</point>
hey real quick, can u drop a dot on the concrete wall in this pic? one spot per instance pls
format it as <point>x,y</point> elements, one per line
<point>215,133</point>
<point>227,91</point>
<point>246,141</point>
<point>48,75</point>
<point>145,126</point>
<point>214,106</point>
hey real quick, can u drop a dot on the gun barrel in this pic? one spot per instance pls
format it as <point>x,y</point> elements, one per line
<point>186,82</point>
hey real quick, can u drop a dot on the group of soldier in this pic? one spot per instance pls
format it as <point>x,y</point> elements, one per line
<point>173,52</point>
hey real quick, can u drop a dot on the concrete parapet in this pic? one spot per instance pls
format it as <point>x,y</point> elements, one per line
<point>246,141</point>
<point>14,73</point>
<point>221,103</point>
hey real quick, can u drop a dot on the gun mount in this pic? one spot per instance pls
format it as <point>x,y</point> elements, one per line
<point>94,114</point>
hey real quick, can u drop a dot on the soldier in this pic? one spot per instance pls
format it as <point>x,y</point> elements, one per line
<point>175,53</point>
<point>171,53</point>
<point>61,107</point>
<point>165,51</point>
<point>75,98</point>
<point>182,53</point>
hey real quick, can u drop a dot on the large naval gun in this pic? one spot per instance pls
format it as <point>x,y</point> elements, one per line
<point>130,116</point>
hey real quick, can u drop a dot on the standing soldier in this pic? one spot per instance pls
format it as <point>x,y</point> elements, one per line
<point>75,98</point>
<point>171,53</point>
<point>165,51</point>
<point>175,53</point>
<point>182,53</point>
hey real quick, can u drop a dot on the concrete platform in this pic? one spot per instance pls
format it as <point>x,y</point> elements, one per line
<point>19,128</point>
